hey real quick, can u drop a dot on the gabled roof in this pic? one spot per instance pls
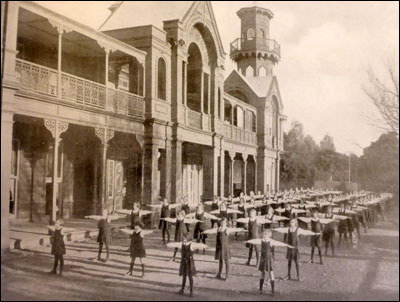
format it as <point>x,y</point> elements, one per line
<point>260,86</point>
<point>139,13</point>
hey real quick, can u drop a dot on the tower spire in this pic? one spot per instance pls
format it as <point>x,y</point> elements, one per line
<point>255,53</point>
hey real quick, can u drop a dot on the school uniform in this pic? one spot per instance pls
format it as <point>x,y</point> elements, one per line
<point>253,233</point>
<point>316,227</point>
<point>137,247</point>
<point>214,207</point>
<point>329,231</point>
<point>222,252</point>
<point>58,250</point>
<point>293,253</point>
<point>135,219</point>
<point>342,227</point>
<point>242,209</point>
<point>187,267</point>
<point>104,236</point>
<point>186,208</point>
<point>266,257</point>
<point>164,225</point>
<point>200,228</point>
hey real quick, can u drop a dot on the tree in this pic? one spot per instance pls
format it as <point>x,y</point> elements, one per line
<point>379,165</point>
<point>384,95</point>
<point>327,143</point>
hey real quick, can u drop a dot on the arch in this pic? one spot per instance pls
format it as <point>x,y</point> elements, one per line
<point>260,34</point>
<point>262,71</point>
<point>275,104</point>
<point>250,34</point>
<point>161,79</point>
<point>249,71</point>
<point>194,77</point>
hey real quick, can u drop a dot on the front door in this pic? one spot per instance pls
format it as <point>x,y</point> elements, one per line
<point>116,188</point>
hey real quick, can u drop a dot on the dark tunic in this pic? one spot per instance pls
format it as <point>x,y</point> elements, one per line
<point>241,215</point>
<point>266,257</point>
<point>293,240</point>
<point>329,229</point>
<point>57,245</point>
<point>253,230</point>
<point>187,261</point>
<point>288,214</point>
<point>104,232</point>
<point>356,218</point>
<point>274,224</point>
<point>199,227</point>
<point>316,227</point>
<point>222,246</point>
<point>223,214</point>
<point>264,209</point>
<point>135,219</point>
<point>342,228</point>
<point>186,208</point>
<point>180,230</point>
<point>165,213</point>
<point>137,248</point>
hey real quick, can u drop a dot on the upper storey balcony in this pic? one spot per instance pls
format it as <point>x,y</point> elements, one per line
<point>76,65</point>
<point>259,46</point>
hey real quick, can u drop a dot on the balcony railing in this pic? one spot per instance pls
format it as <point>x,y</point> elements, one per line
<point>240,135</point>
<point>76,90</point>
<point>270,45</point>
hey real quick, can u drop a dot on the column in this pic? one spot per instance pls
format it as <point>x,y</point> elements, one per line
<point>216,154</point>
<point>105,135</point>
<point>202,92</point>
<point>95,180</point>
<point>278,168</point>
<point>56,128</point>
<point>10,50</point>
<point>222,172</point>
<point>6,150</point>
<point>176,171</point>
<point>255,175</point>
<point>60,29</point>
<point>245,157</point>
<point>232,156</point>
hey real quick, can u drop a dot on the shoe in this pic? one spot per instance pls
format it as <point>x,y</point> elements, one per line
<point>310,261</point>
<point>128,273</point>
<point>247,263</point>
<point>218,277</point>
<point>287,278</point>
<point>53,272</point>
<point>181,292</point>
<point>260,292</point>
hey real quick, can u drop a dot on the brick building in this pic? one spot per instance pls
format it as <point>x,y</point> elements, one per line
<point>134,111</point>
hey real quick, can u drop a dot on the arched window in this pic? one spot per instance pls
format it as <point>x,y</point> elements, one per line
<point>260,33</point>
<point>162,79</point>
<point>250,34</point>
<point>249,71</point>
<point>262,72</point>
<point>228,112</point>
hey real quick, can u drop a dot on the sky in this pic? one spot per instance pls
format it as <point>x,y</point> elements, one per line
<point>327,47</point>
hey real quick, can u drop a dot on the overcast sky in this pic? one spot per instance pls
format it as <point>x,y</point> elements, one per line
<point>326,50</point>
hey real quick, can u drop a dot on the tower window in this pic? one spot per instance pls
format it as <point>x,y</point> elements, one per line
<point>260,34</point>
<point>250,34</point>
<point>162,79</point>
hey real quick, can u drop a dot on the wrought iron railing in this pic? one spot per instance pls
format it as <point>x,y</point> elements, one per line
<point>270,45</point>
<point>44,80</point>
<point>37,78</point>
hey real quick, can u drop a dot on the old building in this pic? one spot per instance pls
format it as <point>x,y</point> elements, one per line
<point>95,119</point>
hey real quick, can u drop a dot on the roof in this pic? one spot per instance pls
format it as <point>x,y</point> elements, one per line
<point>260,85</point>
<point>139,13</point>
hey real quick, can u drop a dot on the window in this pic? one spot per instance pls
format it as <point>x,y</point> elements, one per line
<point>162,79</point>
<point>260,33</point>
<point>239,117</point>
<point>249,71</point>
<point>250,34</point>
<point>183,81</point>
<point>262,72</point>
<point>254,122</point>
<point>205,93</point>
<point>219,103</point>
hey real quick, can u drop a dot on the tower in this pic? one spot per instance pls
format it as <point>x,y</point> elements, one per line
<point>255,53</point>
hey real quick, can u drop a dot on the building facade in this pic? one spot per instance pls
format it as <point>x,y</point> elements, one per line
<point>95,119</point>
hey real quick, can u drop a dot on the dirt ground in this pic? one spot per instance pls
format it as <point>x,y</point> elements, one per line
<point>368,273</point>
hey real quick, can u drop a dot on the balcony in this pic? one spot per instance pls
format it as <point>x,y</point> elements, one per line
<point>239,135</point>
<point>76,90</point>
<point>257,44</point>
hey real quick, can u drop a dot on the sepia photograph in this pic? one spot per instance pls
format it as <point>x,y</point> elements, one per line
<point>200,150</point>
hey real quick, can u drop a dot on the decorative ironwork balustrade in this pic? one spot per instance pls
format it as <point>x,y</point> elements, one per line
<point>270,45</point>
<point>44,80</point>
<point>37,78</point>
<point>83,91</point>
